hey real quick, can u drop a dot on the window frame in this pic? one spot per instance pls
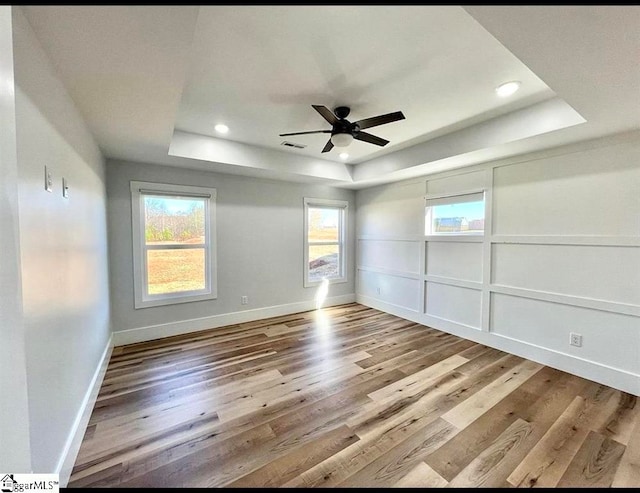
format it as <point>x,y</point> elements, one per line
<point>140,189</point>
<point>431,201</point>
<point>343,207</point>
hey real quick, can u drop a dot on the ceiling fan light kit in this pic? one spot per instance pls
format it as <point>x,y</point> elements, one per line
<point>343,132</point>
<point>341,140</point>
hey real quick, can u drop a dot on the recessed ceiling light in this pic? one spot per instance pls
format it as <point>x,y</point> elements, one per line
<point>344,155</point>
<point>220,128</point>
<point>508,88</point>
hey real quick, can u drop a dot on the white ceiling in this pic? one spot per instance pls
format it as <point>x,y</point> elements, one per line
<point>152,81</point>
<point>259,69</point>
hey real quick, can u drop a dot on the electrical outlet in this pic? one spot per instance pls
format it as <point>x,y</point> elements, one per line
<point>65,188</point>
<point>378,290</point>
<point>575,339</point>
<point>48,180</point>
<point>244,300</point>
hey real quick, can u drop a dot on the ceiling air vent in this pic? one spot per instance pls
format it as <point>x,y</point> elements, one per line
<point>291,144</point>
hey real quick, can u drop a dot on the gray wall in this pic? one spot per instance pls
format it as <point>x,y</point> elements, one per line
<point>15,453</point>
<point>64,262</point>
<point>259,236</point>
<point>560,254</point>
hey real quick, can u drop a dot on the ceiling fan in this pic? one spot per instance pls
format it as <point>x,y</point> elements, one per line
<point>343,132</point>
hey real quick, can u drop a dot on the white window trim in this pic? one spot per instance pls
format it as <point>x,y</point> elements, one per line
<point>434,199</point>
<point>337,204</point>
<point>141,299</point>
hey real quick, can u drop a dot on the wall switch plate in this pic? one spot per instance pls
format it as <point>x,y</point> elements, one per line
<point>244,300</point>
<point>575,339</point>
<point>48,180</point>
<point>65,188</point>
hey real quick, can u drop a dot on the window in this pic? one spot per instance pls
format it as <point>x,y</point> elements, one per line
<point>324,241</point>
<point>461,214</point>
<point>173,243</point>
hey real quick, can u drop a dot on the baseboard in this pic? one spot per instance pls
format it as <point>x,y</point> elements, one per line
<point>141,334</point>
<point>597,372</point>
<point>74,440</point>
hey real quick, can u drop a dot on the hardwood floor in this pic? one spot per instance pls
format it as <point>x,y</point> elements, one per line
<point>350,396</point>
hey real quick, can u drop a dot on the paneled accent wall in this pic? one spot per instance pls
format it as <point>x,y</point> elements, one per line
<point>455,264</point>
<point>560,255</point>
<point>390,256</point>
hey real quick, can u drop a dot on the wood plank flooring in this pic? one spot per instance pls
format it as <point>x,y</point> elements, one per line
<point>350,396</point>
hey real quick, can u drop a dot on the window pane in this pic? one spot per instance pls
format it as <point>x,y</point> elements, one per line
<point>174,220</point>
<point>173,271</point>
<point>461,218</point>
<point>324,261</point>
<point>324,224</point>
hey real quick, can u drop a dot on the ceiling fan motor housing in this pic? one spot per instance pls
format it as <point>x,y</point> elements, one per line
<point>342,112</point>
<point>344,127</point>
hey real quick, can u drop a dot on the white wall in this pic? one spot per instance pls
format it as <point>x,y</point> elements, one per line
<point>260,251</point>
<point>15,452</point>
<point>560,254</point>
<point>63,252</point>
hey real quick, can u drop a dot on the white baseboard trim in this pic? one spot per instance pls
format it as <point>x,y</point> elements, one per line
<point>613,377</point>
<point>142,334</point>
<point>74,440</point>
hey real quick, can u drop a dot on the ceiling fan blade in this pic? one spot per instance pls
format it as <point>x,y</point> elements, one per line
<point>372,139</point>
<point>326,113</point>
<point>312,132</point>
<point>328,146</point>
<point>379,120</point>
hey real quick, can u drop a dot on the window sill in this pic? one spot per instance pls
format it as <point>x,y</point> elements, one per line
<point>313,284</point>
<point>174,300</point>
